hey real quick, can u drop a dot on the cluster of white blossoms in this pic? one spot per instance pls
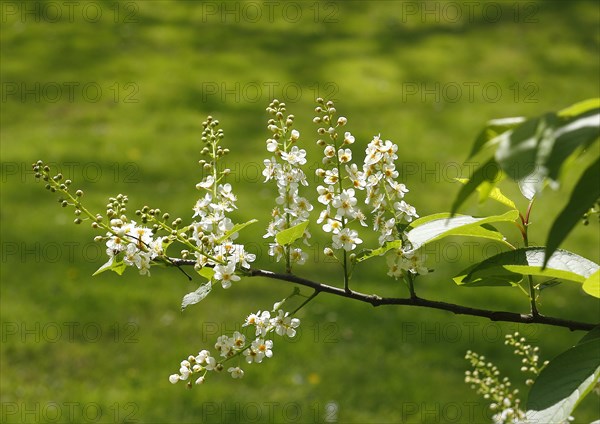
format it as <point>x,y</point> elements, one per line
<point>253,349</point>
<point>284,167</point>
<point>212,231</point>
<point>127,242</point>
<point>343,179</point>
<point>337,193</point>
<point>136,244</point>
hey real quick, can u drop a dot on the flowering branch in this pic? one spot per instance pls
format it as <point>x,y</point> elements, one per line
<point>375,300</point>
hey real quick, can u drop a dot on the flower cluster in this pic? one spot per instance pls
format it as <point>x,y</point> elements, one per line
<point>340,177</point>
<point>254,349</point>
<point>377,178</point>
<point>485,378</point>
<point>284,167</point>
<point>213,232</point>
<point>530,360</point>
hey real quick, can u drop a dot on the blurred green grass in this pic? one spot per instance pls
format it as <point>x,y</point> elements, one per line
<point>377,365</point>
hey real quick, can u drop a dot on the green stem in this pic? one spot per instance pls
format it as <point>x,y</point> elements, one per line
<point>525,221</point>
<point>311,297</point>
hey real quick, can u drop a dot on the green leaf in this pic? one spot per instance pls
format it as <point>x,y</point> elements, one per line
<point>580,108</point>
<point>585,193</point>
<point>118,267</point>
<point>434,227</point>
<point>563,383</point>
<point>206,272</point>
<point>592,285</point>
<point>196,296</point>
<point>507,268</point>
<point>594,333</point>
<point>494,128</point>
<point>235,229</point>
<point>290,235</point>
<point>487,190</point>
<point>488,172</point>
<point>369,253</point>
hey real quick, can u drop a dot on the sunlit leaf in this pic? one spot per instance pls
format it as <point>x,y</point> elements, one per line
<point>583,196</point>
<point>367,254</point>
<point>112,265</point>
<point>592,285</point>
<point>490,172</point>
<point>290,235</point>
<point>563,383</point>
<point>196,296</point>
<point>235,229</point>
<point>487,190</point>
<point>507,268</point>
<point>434,227</point>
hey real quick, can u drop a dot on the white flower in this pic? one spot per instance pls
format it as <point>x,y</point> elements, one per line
<point>408,211</point>
<point>298,256</point>
<point>225,273</point>
<point>226,193</point>
<point>357,177</point>
<point>331,176</point>
<point>295,156</point>
<point>345,203</point>
<point>272,145</point>
<point>329,151</point>
<point>259,350</point>
<point>271,166</point>
<point>333,225</point>
<point>284,324</point>
<point>236,372</point>
<point>207,183</point>
<point>346,239</point>
<point>344,155</point>
<point>398,188</point>
<point>174,378</point>
<point>325,194</point>
<point>348,138</point>
<point>295,135</point>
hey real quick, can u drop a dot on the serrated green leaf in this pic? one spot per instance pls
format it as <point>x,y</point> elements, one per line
<point>111,265</point>
<point>367,254</point>
<point>290,235</point>
<point>563,384</point>
<point>507,268</point>
<point>196,296</point>
<point>235,229</point>
<point>583,196</point>
<point>592,285</point>
<point>434,227</point>
<point>490,171</point>
<point>206,272</point>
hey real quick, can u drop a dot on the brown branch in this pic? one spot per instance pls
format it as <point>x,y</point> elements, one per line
<point>376,300</point>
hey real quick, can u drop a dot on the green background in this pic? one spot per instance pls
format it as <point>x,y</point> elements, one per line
<point>114,94</point>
